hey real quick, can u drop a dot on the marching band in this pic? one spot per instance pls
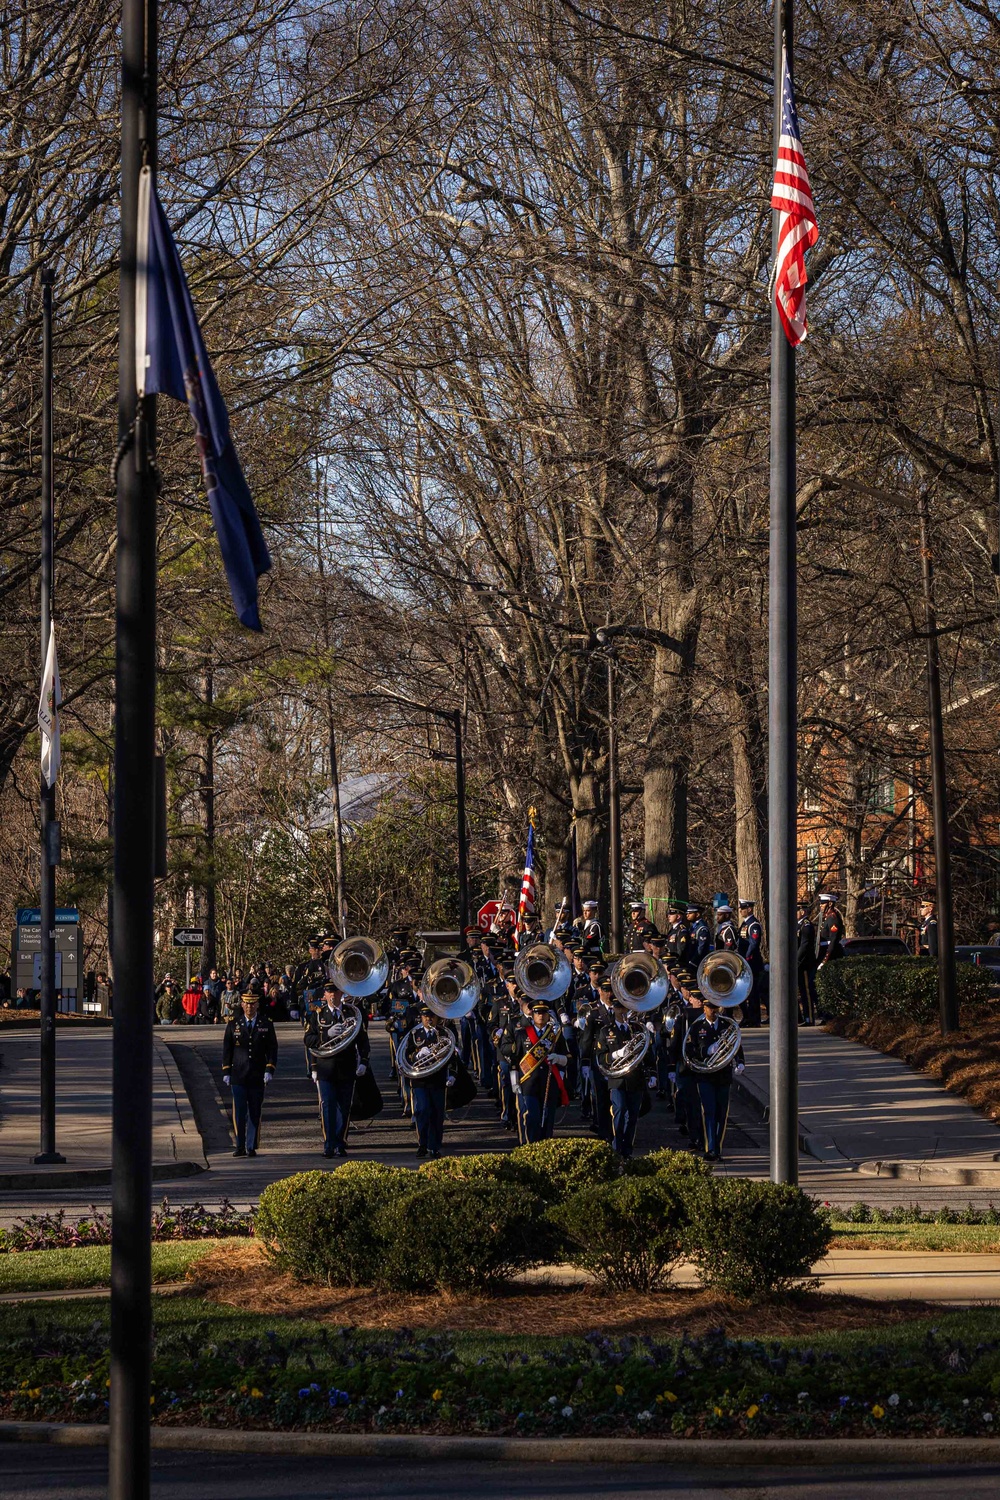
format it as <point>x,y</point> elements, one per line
<point>537,1020</point>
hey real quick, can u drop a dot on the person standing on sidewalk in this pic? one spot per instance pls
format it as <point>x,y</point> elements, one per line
<point>249,1059</point>
<point>807,966</point>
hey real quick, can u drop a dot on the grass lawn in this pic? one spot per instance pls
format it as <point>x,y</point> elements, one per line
<point>969,1239</point>
<point>90,1265</point>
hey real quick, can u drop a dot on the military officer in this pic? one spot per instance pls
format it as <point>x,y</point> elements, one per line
<point>249,1060</point>
<point>726,932</point>
<point>749,942</point>
<point>831,929</point>
<point>335,1076</point>
<point>589,930</point>
<point>807,965</point>
<point>678,935</point>
<point>540,1073</point>
<point>640,928</point>
<point>626,1093</point>
<point>701,936</point>
<point>928,929</point>
<point>704,1039</point>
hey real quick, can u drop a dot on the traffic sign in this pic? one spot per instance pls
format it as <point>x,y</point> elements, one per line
<point>189,937</point>
<point>31,916</point>
<point>486,913</point>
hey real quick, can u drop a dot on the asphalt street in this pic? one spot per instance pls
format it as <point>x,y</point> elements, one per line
<point>29,1471</point>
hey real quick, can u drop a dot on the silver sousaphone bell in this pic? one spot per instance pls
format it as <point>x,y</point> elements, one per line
<point>358,967</point>
<point>543,972</point>
<point>450,988</point>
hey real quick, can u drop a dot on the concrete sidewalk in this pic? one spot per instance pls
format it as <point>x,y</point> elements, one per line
<point>863,1110</point>
<point>83,1119</point>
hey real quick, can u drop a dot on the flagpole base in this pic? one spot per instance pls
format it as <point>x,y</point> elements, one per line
<point>48,1159</point>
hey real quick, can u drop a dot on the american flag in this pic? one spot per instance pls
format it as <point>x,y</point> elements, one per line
<point>797,228</point>
<point>526,905</point>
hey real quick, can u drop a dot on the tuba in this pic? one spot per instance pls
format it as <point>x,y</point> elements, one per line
<point>451,988</point>
<point>639,982</point>
<point>726,979</point>
<point>358,967</point>
<point>543,972</point>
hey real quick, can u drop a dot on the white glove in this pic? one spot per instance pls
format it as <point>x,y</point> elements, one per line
<point>314,1076</point>
<point>739,1068</point>
<point>332,1030</point>
<point>361,1070</point>
<point>293,1015</point>
<point>557,1059</point>
<point>712,1050</point>
<point>564,1018</point>
<point>585,1073</point>
<point>650,1027</point>
<point>225,1079</point>
<point>267,1078</point>
<point>451,1080</point>
<point>671,1077</point>
<point>424,1055</point>
<point>580,1023</point>
<point>618,1054</point>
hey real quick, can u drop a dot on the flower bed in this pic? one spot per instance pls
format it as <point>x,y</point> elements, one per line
<point>937,1383</point>
<point>189,1222</point>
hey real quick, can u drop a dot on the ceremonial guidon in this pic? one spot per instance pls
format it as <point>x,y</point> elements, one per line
<point>249,1060</point>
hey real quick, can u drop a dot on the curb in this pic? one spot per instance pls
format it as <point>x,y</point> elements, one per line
<point>930,1175</point>
<point>819,1147</point>
<point>83,1177</point>
<point>188,1128</point>
<point>699,1452</point>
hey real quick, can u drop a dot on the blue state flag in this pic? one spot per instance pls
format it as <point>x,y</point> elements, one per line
<point>171,359</point>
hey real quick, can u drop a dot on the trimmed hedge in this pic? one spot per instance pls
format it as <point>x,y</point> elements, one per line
<point>324,1226</point>
<point>556,1168</point>
<point>675,1164</point>
<point>628,1233</point>
<point>488,1166</point>
<point>464,1235</point>
<point>752,1239</point>
<point>857,988</point>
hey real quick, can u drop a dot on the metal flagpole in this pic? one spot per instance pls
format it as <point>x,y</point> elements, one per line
<point>49,827</point>
<point>782,708</point>
<point>135,812</point>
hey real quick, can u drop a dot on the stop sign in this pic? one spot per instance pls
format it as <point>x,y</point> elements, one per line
<point>486,913</point>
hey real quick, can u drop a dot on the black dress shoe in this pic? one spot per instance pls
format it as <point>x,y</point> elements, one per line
<point>252,1151</point>
<point>421,1150</point>
<point>329,1153</point>
<point>240,1151</point>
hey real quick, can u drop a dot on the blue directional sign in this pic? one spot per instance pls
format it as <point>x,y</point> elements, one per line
<point>31,916</point>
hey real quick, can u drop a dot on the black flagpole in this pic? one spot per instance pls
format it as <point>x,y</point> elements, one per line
<point>782,708</point>
<point>135,703</point>
<point>49,827</point>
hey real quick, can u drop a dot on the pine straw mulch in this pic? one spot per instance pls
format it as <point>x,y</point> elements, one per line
<point>967,1062</point>
<point>240,1275</point>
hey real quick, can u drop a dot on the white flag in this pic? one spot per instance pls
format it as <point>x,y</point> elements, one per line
<point>48,713</point>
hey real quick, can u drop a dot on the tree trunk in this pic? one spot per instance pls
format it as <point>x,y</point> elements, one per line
<point>590,819</point>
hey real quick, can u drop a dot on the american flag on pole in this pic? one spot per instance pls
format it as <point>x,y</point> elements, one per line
<point>797,228</point>
<point>526,905</point>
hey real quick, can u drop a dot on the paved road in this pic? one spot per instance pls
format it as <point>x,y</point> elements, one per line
<point>31,1471</point>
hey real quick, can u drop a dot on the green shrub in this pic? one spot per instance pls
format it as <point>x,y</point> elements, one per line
<point>322,1226</point>
<point>556,1168</point>
<point>674,1164</point>
<point>857,988</point>
<point>463,1235</point>
<point>629,1233</point>
<point>751,1239</point>
<point>489,1166</point>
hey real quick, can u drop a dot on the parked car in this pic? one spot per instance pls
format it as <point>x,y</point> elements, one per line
<point>875,947</point>
<point>978,954</point>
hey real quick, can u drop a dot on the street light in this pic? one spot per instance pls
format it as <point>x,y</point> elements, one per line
<point>453,717</point>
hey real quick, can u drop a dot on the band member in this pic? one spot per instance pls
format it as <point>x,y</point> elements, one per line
<point>430,1093</point>
<point>726,933</point>
<point>704,1039</point>
<point>701,936</point>
<point>249,1058</point>
<point>807,966</point>
<point>687,1104</point>
<point>400,1017</point>
<point>490,988</point>
<point>335,1075</point>
<point>600,1016</point>
<point>831,930</point>
<point>749,943</point>
<point>626,1093</point>
<point>309,975</point>
<point>536,1051</point>
<point>928,929</point>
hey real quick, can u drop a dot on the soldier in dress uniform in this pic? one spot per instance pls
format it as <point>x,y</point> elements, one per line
<point>626,1094</point>
<point>713,1088</point>
<point>598,1017</point>
<point>540,1079</point>
<point>687,1104</point>
<point>589,930</point>
<point>701,936</point>
<point>505,1017</point>
<point>807,965</point>
<point>928,929</point>
<point>678,935</point>
<point>430,1093</point>
<point>307,980</point>
<point>727,935</point>
<point>249,1059</point>
<point>640,928</point>
<point>335,1076</point>
<point>401,1014</point>
<point>831,929</point>
<point>750,941</point>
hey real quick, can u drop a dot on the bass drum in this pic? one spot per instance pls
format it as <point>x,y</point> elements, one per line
<point>463,1090</point>
<point>367,1101</point>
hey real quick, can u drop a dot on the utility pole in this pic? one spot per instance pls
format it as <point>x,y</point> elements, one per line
<point>135,818</point>
<point>463,832</point>
<point>947,989</point>
<point>208,952</point>
<point>47,808</point>
<point>782,705</point>
<point>331,731</point>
